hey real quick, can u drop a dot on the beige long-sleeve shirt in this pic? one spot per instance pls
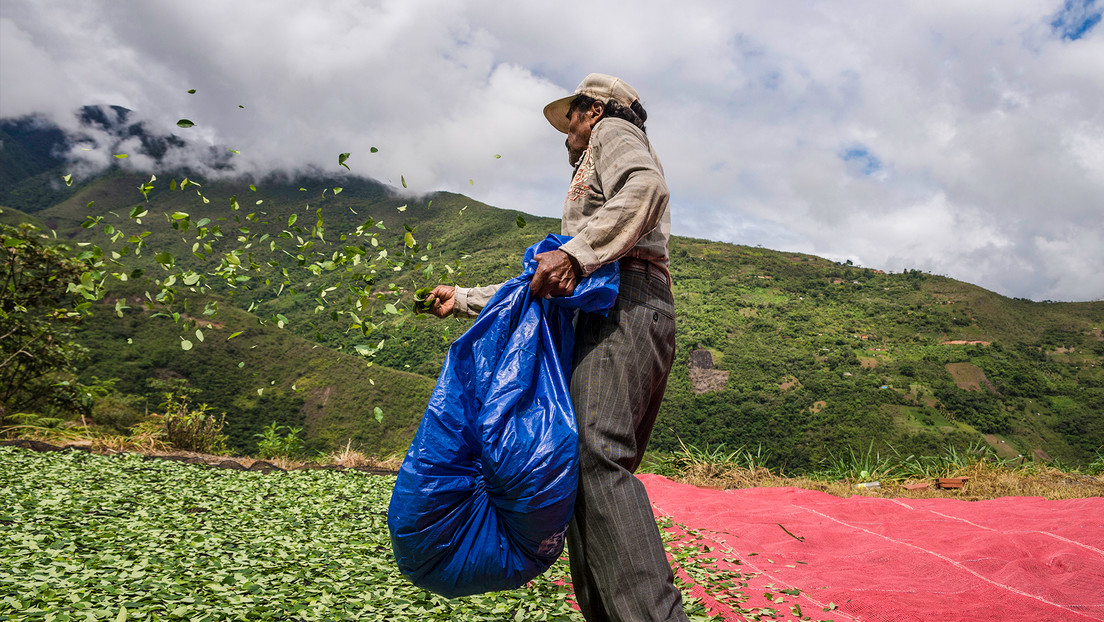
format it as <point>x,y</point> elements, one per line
<point>616,206</point>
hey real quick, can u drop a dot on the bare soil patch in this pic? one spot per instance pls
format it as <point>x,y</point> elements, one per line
<point>1002,448</point>
<point>706,380</point>
<point>703,378</point>
<point>969,377</point>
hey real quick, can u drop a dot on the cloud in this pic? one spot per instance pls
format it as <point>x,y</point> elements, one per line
<point>961,138</point>
<point>21,57</point>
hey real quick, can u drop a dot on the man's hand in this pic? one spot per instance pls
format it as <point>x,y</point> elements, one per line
<point>441,301</point>
<point>556,275</point>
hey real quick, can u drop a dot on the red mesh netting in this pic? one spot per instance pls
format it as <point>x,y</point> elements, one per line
<point>792,553</point>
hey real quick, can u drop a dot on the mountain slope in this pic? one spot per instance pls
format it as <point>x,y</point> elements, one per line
<point>261,376</point>
<point>803,356</point>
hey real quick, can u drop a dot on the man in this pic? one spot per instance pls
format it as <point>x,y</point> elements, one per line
<point>616,210</point>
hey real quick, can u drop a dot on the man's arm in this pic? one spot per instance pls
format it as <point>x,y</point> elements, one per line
<point>636,196</point>
<point>446,300</point>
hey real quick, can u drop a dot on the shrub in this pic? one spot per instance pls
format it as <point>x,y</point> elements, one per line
<point>193,428</point>
<point>272,445</point>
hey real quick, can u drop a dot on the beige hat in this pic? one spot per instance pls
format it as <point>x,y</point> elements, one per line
<point>596,85</point>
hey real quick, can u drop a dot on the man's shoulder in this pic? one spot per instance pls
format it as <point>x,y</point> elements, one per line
<point>617,135</point>
<point>613,126</point>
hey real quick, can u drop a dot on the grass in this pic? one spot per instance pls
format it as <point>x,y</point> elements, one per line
<point>988,476</point>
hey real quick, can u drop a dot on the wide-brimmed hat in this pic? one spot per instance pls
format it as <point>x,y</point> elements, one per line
<point>597,85</point>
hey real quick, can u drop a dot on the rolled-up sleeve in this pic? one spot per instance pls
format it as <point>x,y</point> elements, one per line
<point>469,301</point>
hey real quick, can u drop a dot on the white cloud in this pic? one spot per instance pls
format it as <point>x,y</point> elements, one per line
<point>979,126</point>
<point>32,81</point>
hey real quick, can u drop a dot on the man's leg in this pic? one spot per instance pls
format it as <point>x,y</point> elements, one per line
<point>618,566</point>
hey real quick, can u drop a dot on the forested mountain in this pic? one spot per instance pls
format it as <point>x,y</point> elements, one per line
<point>802,356</point>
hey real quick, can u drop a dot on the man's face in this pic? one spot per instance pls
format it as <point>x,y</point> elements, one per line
<point>580,122</point>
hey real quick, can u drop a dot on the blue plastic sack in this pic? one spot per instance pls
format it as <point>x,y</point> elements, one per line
<point>486,492</point>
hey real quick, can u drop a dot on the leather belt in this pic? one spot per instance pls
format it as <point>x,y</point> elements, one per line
<point>635,264</point>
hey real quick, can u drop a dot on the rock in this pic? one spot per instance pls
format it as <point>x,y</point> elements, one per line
<point>264,467</point>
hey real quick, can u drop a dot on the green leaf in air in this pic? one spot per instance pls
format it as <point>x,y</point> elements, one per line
<point>341,160</point>
<point>520,222</point>
<point>185,345</point>
<point>184,123</point>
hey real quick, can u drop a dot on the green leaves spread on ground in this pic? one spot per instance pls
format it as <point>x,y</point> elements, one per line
<point>84,536</point>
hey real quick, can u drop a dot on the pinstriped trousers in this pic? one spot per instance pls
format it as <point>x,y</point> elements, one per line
<point>618,566</point>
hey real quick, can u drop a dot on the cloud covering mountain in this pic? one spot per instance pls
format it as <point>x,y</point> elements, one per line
<point>964,139</point>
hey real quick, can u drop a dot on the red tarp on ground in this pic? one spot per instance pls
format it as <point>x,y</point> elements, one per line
<point>1008,559</point>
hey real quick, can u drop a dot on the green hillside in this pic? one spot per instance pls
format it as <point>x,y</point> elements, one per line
<point>801,355</point>
<point>261,376</point>
<point>821,356</point>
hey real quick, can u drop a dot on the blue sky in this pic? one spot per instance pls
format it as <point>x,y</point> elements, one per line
<point>1077,18</point>
<point>964,139</point>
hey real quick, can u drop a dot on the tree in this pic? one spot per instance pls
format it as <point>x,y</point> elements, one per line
<point>38,309</point>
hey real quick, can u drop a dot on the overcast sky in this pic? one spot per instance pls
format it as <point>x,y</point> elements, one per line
<point>963,138</point>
